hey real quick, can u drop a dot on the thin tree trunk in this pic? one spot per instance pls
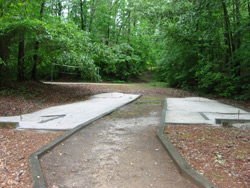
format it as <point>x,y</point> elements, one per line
<point>20,58</point>
<point>197,24</point>
<point>227,32</point>
<point>35,58</point>
<point>36,48</point>
<point>20,72</point>
<point>248,7</point>
<point>118,35</point>
<point>130,5</point>
<point>108,35</point>
<point>238,24</point>
<point>237,38</point>
<point>134,24</point>
<point>59,10</point>
<point>119,32</point>
<point>82,18</point>
<point>93,10</point>
<point>108,31</point>
<point>110,14</point>
<point>129,13</point>
<point>234,27</point>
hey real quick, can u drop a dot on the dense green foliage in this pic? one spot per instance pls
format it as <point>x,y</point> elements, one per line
<point>206,46</point>
<point>199,45</point>
<point>96,36</point>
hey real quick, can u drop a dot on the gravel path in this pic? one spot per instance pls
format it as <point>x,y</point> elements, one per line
<point>120,150</point>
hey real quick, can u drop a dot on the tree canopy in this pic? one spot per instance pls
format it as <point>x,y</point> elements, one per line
<point>199,45</point>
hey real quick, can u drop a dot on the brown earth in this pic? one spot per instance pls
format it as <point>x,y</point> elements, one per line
<point>28,97</point>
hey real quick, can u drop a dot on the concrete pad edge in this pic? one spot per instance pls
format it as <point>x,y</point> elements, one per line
<point>34,164</point>
<point>181,164</point>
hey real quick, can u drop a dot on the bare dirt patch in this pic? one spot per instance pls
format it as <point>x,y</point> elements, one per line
<point>220,154</point>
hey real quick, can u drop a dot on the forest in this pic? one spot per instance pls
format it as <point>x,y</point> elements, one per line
<point>197,45</point>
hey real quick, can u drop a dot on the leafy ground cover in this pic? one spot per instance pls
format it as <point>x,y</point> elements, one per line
<point>32,96</point>
<point>16,145</point>
<point>220,154</point>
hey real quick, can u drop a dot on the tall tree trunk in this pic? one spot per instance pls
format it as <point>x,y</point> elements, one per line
<point>59,8</point>
<point>227,33</point>
<point>118,35</point>
<point>234,45</point>
<point>111,6</point>
<point>237,38</point>
<point>238,34</point>
<point>35,58</point>
<point>93,10</point>
<point>129,14</point>
<point>134,26</point>
<point>36,48</point>
<point>130,5</point>
<point>108,30</point>
<point>20,58</point>
<point>82,15</point>
<point>108,34</point>
<point>20,72</point>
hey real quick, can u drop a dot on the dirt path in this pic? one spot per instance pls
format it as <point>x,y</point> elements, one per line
<point>120,150</point>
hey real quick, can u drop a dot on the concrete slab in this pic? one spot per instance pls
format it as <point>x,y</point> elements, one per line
<point>196,110</point>
<point>182,165</point>
<point>68,116</point>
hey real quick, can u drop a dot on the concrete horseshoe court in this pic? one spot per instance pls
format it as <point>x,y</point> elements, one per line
<point>118,150</point>
<point>69,116</point>
<point>198,110</point>
<point>121,149</point>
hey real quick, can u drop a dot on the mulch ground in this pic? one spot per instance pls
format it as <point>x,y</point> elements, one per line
<point>222,155</point>
<point>16,145</point>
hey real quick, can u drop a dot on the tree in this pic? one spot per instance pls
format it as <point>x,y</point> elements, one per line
<point>92,15</point>
<point>203,46</point>
<point>35,58</point>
